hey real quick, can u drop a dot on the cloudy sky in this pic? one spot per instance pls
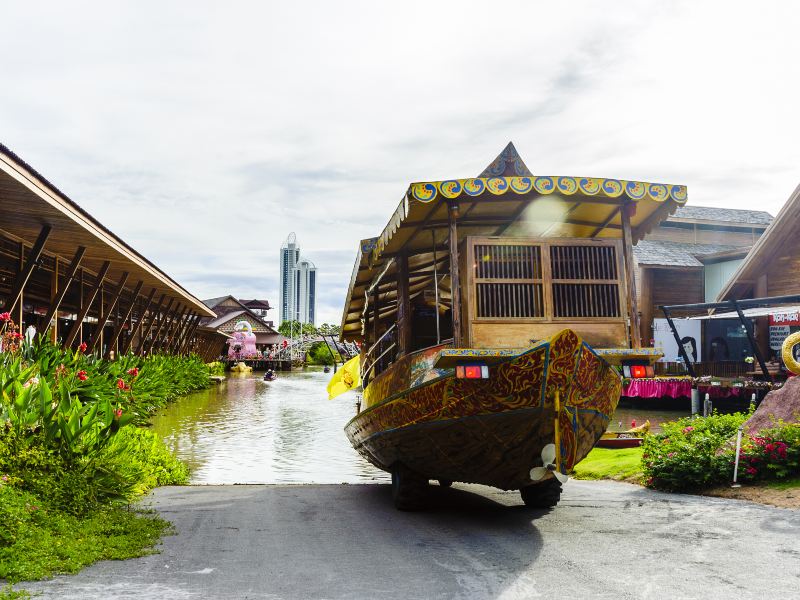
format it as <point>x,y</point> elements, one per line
<point>203,133</point>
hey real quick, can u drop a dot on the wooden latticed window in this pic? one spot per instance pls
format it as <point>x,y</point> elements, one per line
<point>585,281</point>
<point>508,281</point>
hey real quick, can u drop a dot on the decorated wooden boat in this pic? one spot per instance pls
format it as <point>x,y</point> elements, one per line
<point>494,315</point>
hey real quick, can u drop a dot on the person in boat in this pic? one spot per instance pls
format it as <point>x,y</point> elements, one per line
<point>269,375</point>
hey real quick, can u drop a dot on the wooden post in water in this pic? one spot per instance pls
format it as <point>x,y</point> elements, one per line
<point>630,280</point>
<point>455,284</point>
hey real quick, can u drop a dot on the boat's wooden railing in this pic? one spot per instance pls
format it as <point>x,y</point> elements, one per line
<point>380,355</point>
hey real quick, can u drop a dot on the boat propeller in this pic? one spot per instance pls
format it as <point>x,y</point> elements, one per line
<point>548,465</point>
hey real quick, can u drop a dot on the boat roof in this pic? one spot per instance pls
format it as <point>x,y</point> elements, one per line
<point>505,200</point>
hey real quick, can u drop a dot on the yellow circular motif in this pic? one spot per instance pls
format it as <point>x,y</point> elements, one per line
<point>635,190</point>
<point>544,185</point>
<point>496,185</point>
<point>424,192</point>
<point>520,185</point>
<point>658,192</point>
<point>567,185</point>
<point>473,187</point>
<point>450,188</point>
<point>589,185</point>
<point>612,188</point>
<point>788,356</point>
<point>678,193</point>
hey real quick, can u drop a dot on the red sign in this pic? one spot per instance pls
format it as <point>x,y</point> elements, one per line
<point>786,318</point>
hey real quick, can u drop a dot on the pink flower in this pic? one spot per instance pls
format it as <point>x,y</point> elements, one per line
<point>118,413</point>
<point>83,347</point>
<point>120,384</point>
<point>751,471</point>
<point>82,375</point>
<point>5,317</point>
<point>688,429</point>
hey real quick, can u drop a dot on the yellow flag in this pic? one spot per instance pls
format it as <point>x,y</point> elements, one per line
<point>346,378</point>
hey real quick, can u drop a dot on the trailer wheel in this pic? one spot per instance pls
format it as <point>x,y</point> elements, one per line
<point>542,495</point>
<point>408,488</point>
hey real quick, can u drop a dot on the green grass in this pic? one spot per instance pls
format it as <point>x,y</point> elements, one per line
<point>40,541</point>
<point>604,463</point>
<point>9,593</point>
<point>784,484</point>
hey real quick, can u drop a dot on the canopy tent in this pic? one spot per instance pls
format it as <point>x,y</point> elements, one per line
<point>506,200</point>
<point>750,312</point>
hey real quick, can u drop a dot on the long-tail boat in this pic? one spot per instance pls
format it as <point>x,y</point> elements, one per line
<point>494,314</point>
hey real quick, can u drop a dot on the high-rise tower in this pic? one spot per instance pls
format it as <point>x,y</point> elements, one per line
<point>298,283</point>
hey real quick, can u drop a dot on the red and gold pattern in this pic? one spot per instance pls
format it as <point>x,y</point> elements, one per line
<point>525,384</point>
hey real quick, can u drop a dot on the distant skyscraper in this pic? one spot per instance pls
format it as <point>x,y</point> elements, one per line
<point>298,284</point>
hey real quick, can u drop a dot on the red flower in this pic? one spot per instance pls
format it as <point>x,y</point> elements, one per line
<point>751,471</point>
<point>82,375</point>
<point>118,413</point>
<point>120,384</point>
<point>83,347</point>
<point>133,372</point>
<point>5,317</point>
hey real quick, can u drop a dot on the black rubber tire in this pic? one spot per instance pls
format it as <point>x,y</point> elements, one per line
<point>542,495</point>
<point>408,488</point>
<point>444,482</point>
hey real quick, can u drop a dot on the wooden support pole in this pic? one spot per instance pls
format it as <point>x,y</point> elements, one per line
<point>145,332</point>
<point>455,284</point>
<point>180,331</point>
<point>86,305</point>
<point>52,312</point>
<point>164,339</point>
<point>21,280</point>
<point>121,321</point>
<point>403,307</point>
<point>162,319</point>
<point>136,328</point>
<point>187,342</point>
<point>105,314</point>
<point>175,329</point>
<point>627,251</point>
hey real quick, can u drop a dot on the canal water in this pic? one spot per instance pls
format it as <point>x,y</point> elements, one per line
<point>246,430</point>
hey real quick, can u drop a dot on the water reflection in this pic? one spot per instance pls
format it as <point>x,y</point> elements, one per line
<point>251,431</point>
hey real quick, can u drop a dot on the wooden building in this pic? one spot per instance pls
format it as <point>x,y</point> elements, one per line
<point>63,272</point>
<point>691,255</point>
<point>771,268</point>
<point>229,311</point>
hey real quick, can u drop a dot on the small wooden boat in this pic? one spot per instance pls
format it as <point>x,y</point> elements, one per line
<point>494,315</point>
<point>619,440</point>
<point>632,438</point>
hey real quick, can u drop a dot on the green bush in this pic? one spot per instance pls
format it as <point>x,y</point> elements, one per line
<point>686,454</point>
<point>70,457</point>
<point>696,453</point>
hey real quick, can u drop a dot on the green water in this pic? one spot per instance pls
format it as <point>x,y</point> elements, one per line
<point>247,430</point>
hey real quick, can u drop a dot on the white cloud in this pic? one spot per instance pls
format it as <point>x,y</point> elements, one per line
<point>204,134</point>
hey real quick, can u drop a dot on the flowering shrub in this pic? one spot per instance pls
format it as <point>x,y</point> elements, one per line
<point>694,453</point>
<point>772,454</point>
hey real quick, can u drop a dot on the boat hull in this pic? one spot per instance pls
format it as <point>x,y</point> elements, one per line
<point>489,431</point>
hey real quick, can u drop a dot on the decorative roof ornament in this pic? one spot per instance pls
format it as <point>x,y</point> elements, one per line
<point>507,164</point>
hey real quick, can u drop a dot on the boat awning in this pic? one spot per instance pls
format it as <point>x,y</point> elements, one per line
<point>527,206</point>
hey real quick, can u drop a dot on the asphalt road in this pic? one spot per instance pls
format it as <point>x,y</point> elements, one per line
<point>604,540</point>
